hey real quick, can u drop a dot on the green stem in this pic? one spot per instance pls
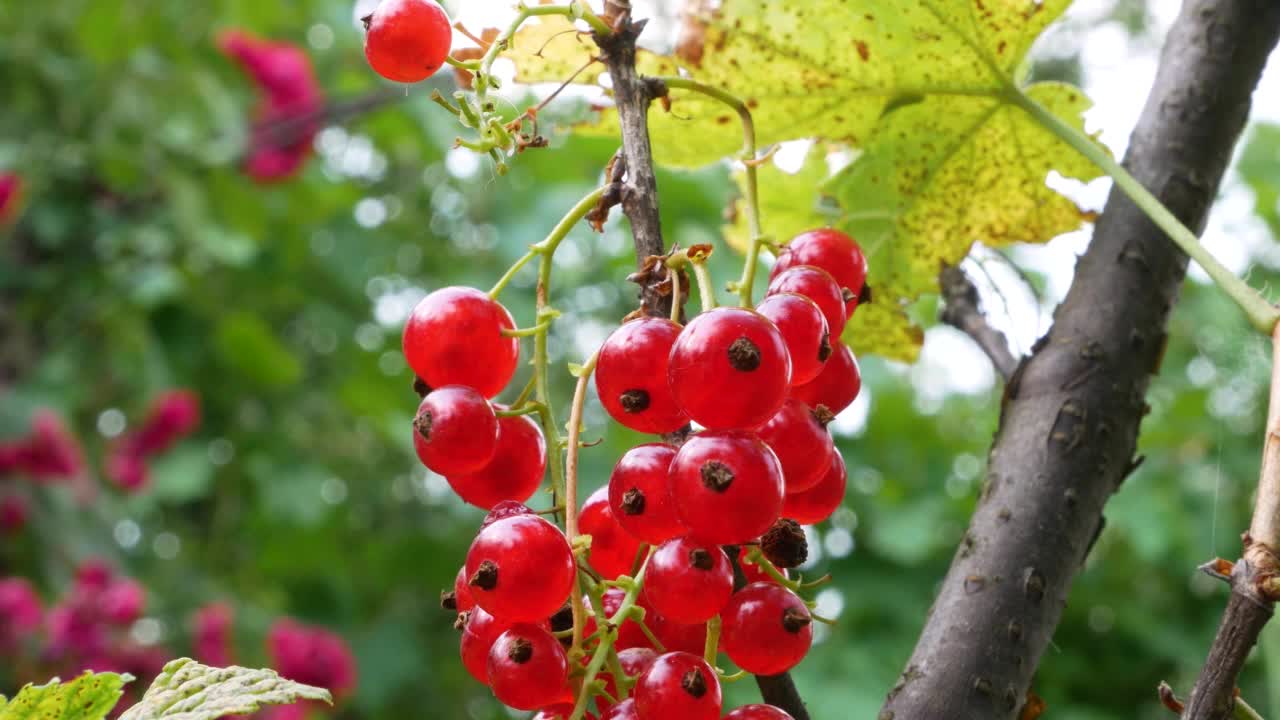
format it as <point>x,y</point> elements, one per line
<point>706,288</point>
<point>526,332</point>
<point>511,273</point>
<point>752,196</point>
<point>470,65</point>
<point>608,635</point>
<point>571,484</point>
<point>712,646</point>
<point>756,557</point>
<point>521,409</point>
<point>1262,314</point>
<point>1242,711</point>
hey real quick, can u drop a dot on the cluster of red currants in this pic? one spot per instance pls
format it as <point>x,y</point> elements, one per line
<point>760,384</point>
<point>173,415</point>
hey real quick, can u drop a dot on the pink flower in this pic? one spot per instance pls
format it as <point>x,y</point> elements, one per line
<point>123,602</point>
<point>50,452</point>
<point>13,514</point>
<point>125,467</point>
<point>174,414</point>
<point>213,635</point>
<point>93,575</point>
<point>313,656</point>
<point>20,611</point>
<point>10,197</point>
<point>74,631</point>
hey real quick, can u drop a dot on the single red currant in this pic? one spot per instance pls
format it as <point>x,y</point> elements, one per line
<point>678,636</point>
<point>513,473</point>
<point>727,486</point>
<point>520,568</point>
<point>805,331</point>
<point>527,667</point>
<point>798,435</point>
<point>625,710</point>
<point>459,598</point>
<point>407,40</point>
<point>454,337</point>
<point>766,629</point>
<point>479,631</point>
<point>678,685</point>
<point>820,501</point>
<point>687,581</point>
<point>836,386</point>
<point>758,712</point>
<point>832,251</point>
<point>730,369</point>
<point>753,572</point>
<point>455,431</point>
<point>639,496</point>
<point>613,550</point>
<point>631,376</point>
<point>817,285</point>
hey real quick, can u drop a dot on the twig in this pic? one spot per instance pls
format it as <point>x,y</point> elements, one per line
<point>961,311</point>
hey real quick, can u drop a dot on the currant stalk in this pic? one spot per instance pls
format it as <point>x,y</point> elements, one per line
<point>571,486</point>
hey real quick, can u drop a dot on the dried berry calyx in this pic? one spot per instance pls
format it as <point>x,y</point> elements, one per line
<point>717,476</point>
<point>784,544</point>
<point>634,401</point>
<point>633,502</point>
<point>486,576</point>
<point>694,684</point>
<point>521,651</point>
<point>744,355</point>
<point>794,620</point>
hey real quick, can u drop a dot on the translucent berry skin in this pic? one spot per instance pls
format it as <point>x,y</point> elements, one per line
<point>613,550</point>
<point>798,435</point>
<point>727,486</point>
<point>836,386</point>
<point>462,593</point>
<point>455,431</point>
<point>730,369</point>
<point>454,337</point>
<point>758,712</point>
<point>407,40</point>
<point>805,331</point>
<point>625,710</point>
<point>634,662</point>
<point>527,667</point>
<point>559,712</point>
<point>678,685</point>
<point>753,572</point>
<point>478,634</point>
<point>766,629</point>
<point>513,473</point>
<point>832,251</point>
<point>678,636</point>
<point>820,501</point>
<point>817,285</point>
<point>631,376</point>
<point>687,581</point>
<point>527,569</point>
<point>639,496</point>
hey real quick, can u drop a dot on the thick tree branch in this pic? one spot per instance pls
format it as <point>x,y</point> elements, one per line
<point>1253,579</point>
<point>1070,416</point>
<point>961,311</point>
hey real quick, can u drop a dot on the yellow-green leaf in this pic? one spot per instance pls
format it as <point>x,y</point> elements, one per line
<point>88,697</point>
<point>187,690</point>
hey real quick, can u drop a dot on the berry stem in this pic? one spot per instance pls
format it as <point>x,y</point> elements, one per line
<point>526,332</point>
<point>528,408</point>
<point>749,161</point>
<point>712,647</point>
<point>571,483</point>
<point>511,273</point>
<point>756,556</point>
<point>1262,314</point>
<point>468,65</point>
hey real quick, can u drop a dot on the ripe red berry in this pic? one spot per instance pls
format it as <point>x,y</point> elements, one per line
<point>758,712</point>
<point>407,40</point>
<point>631,376</point>
<point>625,710</point>
<point>730,369</point>
<point>687,581</point>
<point>639,495</point>
<point>832,251</point>
<point>520,568</point>
<point>479,631</point>
<point>460,596</point>
<point>527,667</point>
<point>513,473</point>
<point>678,685</point>
<point>766,630</point>
<point>613,550</point>
<point>678,636</point>
<point>727,486</point>
<point>634,661</point>
<point>559,712</point>
<point>805,331</point>
<point>817,285</point>
<point>798,435</point>
<point>454,337</point>
<point>455,431</point>
<point>836,386</point>
<point>753,572</point>
<point>820,501</point>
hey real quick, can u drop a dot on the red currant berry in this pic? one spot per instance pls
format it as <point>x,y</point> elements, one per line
<point>504,509</point>
<point>520,568</point>
<point>678,685</point>
<point>454,337</point>
<point>639,496</point>
<point>613,550</point>
<point>727,486</point>
<point>459,598</point>
<point>766,629</point>
<point>753,572</point>
<point>625,710</point>
<point>560,712</point>
<point>820,501</point>
<point>832,251</point>
<point>407,40</point>
<point>479,631</point>
<point>836,386</point>
<point>527,667</point>
<point>455,431</point>
<point>687,581</point>
<point>678,636</point>
<point>757,712</point>
<point>513,473</point>
<point>730,369</point>
<point>805,331</point>
<point>634,661</point>
<point>817,285</point>
<point>631,376</point>
<point>798,436</point>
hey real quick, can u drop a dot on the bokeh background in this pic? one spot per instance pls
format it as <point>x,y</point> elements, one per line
<point>143,258</point>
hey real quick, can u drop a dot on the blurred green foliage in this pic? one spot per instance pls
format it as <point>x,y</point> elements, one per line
<point>144,259</point>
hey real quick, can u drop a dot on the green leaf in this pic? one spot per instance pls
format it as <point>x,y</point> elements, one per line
<point>249,346</point>
<point>88,697</point>
<point>187,690</point>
